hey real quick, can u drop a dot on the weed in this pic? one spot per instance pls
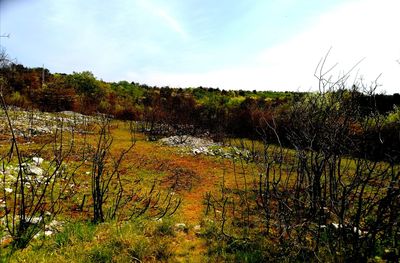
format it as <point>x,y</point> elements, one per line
<point>75,232</point>
<point>100,254</point>
<point>165,228</point>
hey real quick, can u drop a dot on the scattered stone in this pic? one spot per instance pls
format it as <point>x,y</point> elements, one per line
<point>29,124</point>
<point>49,229</point>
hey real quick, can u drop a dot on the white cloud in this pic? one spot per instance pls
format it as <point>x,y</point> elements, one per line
<point>165,16</point>
<point>358,29</point>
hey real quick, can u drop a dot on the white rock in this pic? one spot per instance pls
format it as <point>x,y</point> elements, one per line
<point>37,160</point>
<point>31,169</point>
<point>187,141</point>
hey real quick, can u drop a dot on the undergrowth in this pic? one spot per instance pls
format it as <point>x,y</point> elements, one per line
<point>142,240</point>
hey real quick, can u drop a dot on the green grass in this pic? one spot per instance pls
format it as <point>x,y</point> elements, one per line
<point>148,240</point>
<point>143,239</point>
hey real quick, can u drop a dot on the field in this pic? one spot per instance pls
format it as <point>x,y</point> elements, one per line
<point>199,131</point>
<point>174,171</point>
<point>79,188</point>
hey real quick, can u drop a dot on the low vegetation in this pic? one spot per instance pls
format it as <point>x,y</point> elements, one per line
<point>121,172</point>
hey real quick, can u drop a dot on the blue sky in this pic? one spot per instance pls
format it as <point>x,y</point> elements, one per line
<point>248,44</point>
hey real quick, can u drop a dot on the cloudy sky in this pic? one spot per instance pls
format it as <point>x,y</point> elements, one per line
<point>247,44</point>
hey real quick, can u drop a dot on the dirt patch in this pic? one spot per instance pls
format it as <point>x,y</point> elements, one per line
<point>180,179</point>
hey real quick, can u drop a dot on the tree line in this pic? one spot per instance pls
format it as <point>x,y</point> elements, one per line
<point>194,110</point>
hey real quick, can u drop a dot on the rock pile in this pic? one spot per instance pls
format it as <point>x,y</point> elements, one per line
<point>196,146</point>
<point>188,141</point>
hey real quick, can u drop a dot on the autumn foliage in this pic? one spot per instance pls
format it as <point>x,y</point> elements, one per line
<point>187,111</point>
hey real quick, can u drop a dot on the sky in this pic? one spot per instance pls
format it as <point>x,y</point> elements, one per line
<point>242,44</point>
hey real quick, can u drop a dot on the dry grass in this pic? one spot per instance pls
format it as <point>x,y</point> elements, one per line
<point>189,177</point>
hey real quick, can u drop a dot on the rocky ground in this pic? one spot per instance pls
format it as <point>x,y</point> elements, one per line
<point>29,124</point>
<point>196,145</point>
<point>37,175</point>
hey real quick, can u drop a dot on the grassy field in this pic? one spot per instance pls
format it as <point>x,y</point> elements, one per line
<point>215,201</point>
<point>175,238</point>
